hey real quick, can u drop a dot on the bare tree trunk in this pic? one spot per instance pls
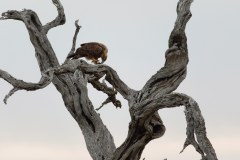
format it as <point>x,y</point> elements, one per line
<point>70,80</point>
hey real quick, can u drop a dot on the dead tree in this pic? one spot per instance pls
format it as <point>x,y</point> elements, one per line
<point>71,77</point>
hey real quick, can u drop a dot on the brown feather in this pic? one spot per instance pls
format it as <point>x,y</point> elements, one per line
<point>91,51</point>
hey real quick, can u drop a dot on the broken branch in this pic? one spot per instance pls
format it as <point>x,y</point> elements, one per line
<point>74,40</point>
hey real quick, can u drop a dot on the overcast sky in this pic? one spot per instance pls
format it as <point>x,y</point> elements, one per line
<point>37,126</point>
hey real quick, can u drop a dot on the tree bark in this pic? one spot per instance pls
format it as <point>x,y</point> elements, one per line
<point>71,79</point>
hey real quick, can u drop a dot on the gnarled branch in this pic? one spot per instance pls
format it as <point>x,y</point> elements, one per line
<point>111,92</point>
<point>43,48</point>
<point>22,85</point>
<point>169,77</point>
<point>195,120</point>
<point>59,20</point>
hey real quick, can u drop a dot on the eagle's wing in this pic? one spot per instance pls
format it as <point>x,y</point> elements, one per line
<point>89,50</point>
<point>92,49</point>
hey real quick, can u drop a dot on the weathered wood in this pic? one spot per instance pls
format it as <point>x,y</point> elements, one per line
<point>71,79</point>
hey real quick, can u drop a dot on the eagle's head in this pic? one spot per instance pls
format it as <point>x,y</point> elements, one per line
<point>104,53</point>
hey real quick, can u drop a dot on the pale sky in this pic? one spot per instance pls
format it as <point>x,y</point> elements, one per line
<point>36,125</point>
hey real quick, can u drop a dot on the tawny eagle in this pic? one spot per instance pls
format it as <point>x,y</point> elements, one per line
<point>91,51</point>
